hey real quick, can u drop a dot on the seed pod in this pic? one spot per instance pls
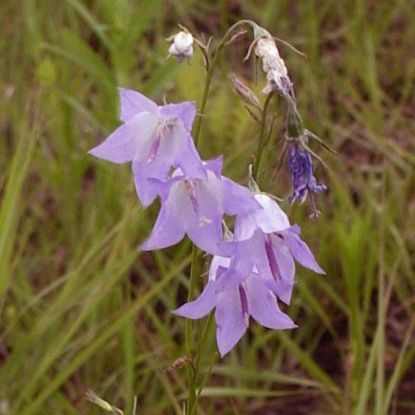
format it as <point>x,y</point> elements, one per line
<point>244,91</point>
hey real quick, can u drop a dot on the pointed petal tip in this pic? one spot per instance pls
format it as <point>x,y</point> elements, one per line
<point>177,312</point>
<point>320,271</point>
<point>196,309</point>
<point>149,245</point>
<point>185,313</point>
<point>288,324</point>
<point>144,247</point>
<point>92,152</point>
<point>98,153</point>
<point>146,203</point>
<point>223,351</point>
<point>314,266</point>
<point>222,354</point>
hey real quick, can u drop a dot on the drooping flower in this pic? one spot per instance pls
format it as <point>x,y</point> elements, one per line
<point>155,139</point>
<point>182,46</point>
<point>196,207</point>
<point>274,67</point>
<point>266,243</point>
<point>234,306</point>
<point>300,165</point>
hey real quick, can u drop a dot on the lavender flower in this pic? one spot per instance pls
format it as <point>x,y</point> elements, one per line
<point>235,305</point>
<point>155,139</point>
<point>196,207</point>
<point>266,243</point>
<point>300,165</point>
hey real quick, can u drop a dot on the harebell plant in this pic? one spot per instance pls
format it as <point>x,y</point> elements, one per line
<point>252,268</point>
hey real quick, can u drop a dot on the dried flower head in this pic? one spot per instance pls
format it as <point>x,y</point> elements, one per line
<point>300,162</point>
<point>274,67</point>
<point>303,180</point>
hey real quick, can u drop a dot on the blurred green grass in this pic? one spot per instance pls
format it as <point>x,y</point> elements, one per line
<point>83,309</point>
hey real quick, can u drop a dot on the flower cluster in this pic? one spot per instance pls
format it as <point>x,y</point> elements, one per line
<point>251,271</point>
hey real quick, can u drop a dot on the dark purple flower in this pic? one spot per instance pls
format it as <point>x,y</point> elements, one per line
<point>300,165</point>
<point>155,139</point>
<point>266,243</point>
<point>196,207</point>
<point>235,305</point>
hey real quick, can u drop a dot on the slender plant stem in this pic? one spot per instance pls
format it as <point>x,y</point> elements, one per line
<point>196,254</point>
<point>193,369</point>
<point>188,331</point>
<point>382,305</point>
<point>262,142</point>
<point>209,75</point>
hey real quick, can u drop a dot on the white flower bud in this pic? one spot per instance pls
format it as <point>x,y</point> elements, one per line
<point>182,46</point>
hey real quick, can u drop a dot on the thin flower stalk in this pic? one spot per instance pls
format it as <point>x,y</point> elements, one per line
<point>262,136</point>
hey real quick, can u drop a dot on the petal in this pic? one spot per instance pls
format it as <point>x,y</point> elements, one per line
<point>227,248</point>
<point>237,199</point>
<point>241,265</point>
<point>128,141</point>
<point>263,306</point>
<point>271,218</point>
<point>200,307</point>
<point>245,226</point>
<point>146,184</point>
<point>132,102</point>
<point>185,111</point>
<point>215,165</point>
<point>230,321</point>
<point>189,161</point>
<point>169,228</point>
<point>177,149</point>
<point>300,251</point>
<point>206,236</point>
<point>283,287</point>
<point>207,232</point>
<point>217,261</point>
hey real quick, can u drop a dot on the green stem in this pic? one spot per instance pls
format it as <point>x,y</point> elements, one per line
<point>192,370</point>
<point>209,75</point>
<point>202,342</point>
<point>188,331</point>
<point>262,142</point>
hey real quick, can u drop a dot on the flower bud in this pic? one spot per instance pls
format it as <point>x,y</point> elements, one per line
<point>244,91</point>
<point>104,405</point>
<point>182,46</point>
